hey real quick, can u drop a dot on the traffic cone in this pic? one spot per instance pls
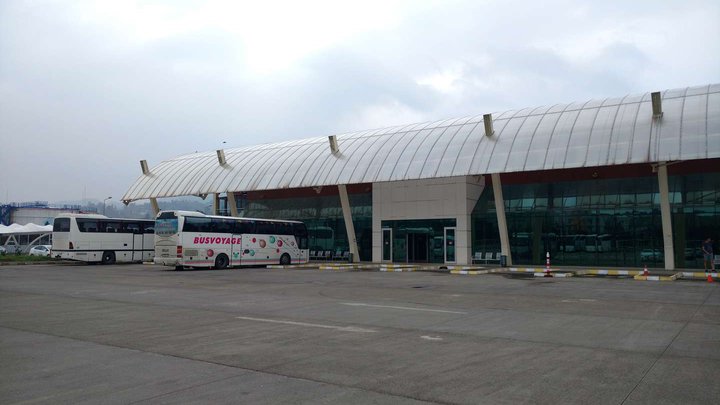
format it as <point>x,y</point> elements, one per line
<point>547,265</point>
<point>645,271</point>
<point>710,279</point>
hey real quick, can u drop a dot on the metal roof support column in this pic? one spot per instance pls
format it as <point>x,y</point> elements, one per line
<point>232,205</point>
<point>502,222</point>
<point>215,203</point>
<point>665,214</point>
<point>155,207</point>
<point>347,216</point>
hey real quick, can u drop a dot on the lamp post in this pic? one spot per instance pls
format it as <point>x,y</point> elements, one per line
<point>109,198</point>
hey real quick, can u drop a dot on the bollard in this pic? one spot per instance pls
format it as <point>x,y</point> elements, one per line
<point>547,265</point>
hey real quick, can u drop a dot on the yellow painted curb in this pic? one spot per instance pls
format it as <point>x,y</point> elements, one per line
<point>292,266</point>
<point>523,270</point>
<point>554,275</point>
<point>656,278</point>
<point>460,267</point>
<point>397,269</point>
<point>698,275</point>
<point>611,272</point>
<point>469,272</point>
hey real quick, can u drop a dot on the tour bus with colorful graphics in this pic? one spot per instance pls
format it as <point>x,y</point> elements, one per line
<point>192,239</point>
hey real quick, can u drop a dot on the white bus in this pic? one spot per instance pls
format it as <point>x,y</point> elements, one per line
<point>192,239</point>
<point>97,238</point>
<point>598,243</point>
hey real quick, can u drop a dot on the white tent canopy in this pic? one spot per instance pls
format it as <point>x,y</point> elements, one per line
<point>24,229</point>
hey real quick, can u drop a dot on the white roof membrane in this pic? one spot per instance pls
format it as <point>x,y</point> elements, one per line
<point>612,131</point>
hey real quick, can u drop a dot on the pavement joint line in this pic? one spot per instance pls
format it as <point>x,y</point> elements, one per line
<point>243,369</point>
<point>154,397</point>
<point>309,325</point>
<point>391,331</point>
<point>360,304</point>
<point>661,355</point>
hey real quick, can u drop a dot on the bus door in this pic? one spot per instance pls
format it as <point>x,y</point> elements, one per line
<point>236,250</point>
<point>136,244</point>
<point>137,255</point>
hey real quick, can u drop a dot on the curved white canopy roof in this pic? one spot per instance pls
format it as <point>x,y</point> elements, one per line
<point>605,132</point>
<point>22,229</point>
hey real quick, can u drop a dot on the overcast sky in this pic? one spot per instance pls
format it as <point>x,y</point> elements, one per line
<point>87,89</point>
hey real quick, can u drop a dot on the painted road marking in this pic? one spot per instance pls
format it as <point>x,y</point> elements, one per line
<point>359,304</point>
<point>310,325</point>
<point>580,300</point>
<point>433,338</point>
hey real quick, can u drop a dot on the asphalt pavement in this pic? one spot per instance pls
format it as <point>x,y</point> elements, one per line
<point>144,334</point>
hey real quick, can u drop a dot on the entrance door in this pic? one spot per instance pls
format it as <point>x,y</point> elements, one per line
<point>417,247</point>
<point>450,245</point>
<point>387,245</point>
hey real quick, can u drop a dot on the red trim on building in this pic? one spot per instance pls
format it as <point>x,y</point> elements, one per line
<point>608,172</point>
<point>542,176</point>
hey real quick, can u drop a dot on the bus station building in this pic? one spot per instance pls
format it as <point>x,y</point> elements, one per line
<point>621,182</point>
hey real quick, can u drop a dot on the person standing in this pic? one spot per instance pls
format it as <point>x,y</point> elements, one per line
<point>707,248</point>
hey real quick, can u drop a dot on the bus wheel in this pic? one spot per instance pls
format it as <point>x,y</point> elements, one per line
<point>178,268</point>
<point>285,259</point>
<point>221,262</point>
<point>108,258</point>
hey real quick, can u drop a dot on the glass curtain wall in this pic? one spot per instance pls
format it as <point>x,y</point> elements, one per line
<point>324,219</point>
<point>695,204</point>
<point>603,222</point>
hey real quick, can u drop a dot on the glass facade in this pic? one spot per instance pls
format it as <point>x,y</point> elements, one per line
<point>609,222</point>
<point>580,219</point>
<point>324,219</point>
<point>419,241</point>
<point>601,222</point>
<point>695,202</point>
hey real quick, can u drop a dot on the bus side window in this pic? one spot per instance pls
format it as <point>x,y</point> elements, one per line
<point>61,225</point>
<point>87,225</point>
<point>222,225</point>
<point>284,228</point>
<point>108,226</point>
<point>148,228</point>
<point>264,227</point>
<point>132,227</point>
<point>244,226</point>
<point>195,224</point>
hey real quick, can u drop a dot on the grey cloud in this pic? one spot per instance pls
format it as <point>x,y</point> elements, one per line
<point>84,105</point>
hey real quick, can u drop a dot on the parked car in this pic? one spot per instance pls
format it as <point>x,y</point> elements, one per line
<point>3,250</point>
<point>40,250</point>
<point>651,255</point>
